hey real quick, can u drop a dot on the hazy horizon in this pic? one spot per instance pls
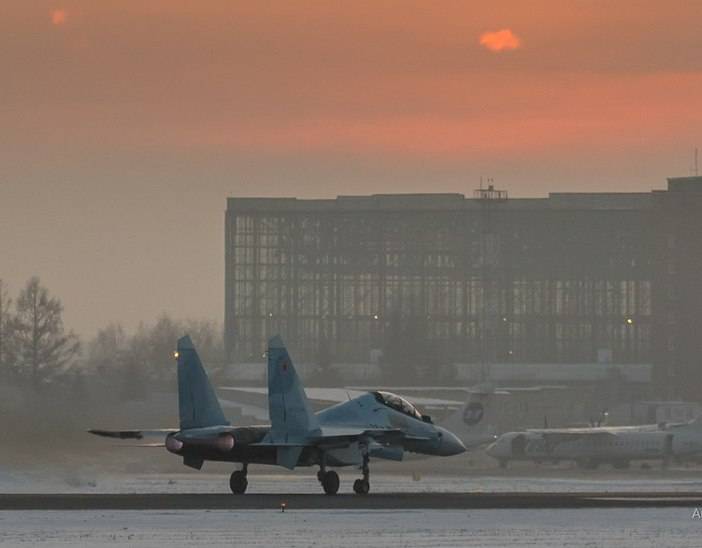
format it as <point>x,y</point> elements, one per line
<point>126,127</point>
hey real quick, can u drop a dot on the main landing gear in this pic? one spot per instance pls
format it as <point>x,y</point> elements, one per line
<point>329,480</point>
<point>238,482</point>
<point>362,486</point>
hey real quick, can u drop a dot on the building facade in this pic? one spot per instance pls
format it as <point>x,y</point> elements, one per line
<point>441,278</point>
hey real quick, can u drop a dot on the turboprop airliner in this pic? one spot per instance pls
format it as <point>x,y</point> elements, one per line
<point>590,447</point>
<point>375,424</point>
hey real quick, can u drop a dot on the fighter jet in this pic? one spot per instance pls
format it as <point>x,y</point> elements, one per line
<point>375,424</point>
<point>471,419</point>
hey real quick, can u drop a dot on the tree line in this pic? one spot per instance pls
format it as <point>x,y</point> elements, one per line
<point>38,352</point>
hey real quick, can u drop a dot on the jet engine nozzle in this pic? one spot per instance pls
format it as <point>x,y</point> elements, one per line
<point>173,444</point>
<point>225,443</point>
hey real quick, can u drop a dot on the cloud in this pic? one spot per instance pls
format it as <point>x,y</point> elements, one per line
<point>58,17</point>
<point>501,40</point>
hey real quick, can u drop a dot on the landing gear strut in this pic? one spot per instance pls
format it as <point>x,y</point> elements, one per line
<point>362,486</point>
<point>328,478</point>
<point>238,482</point>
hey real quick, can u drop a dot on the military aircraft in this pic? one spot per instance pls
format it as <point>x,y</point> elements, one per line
<point>590,447</point>
<point>469,419</point>
<point>374,424</point>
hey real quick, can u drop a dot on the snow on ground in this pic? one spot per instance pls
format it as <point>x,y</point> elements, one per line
<point>306,482</point>
<point>296,528</point>
<point>638,528</point>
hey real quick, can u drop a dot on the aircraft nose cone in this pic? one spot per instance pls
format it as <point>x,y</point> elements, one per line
<point>450,444</point>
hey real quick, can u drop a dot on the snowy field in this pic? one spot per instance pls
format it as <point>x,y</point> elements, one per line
<point>306,482</point>
<point>549,528</point>
<point>647,527</point>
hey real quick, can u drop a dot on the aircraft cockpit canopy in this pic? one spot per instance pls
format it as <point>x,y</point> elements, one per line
<point>398,404</point>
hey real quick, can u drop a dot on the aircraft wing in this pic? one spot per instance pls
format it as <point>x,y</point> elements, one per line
<point>147,445</point>
<point>339,395</point>
<point>133,434</point>
<point>258,412</point>
<point>551,438</point>
<point>556,437</point>
<point>576,432</point>
<point>321,395</point>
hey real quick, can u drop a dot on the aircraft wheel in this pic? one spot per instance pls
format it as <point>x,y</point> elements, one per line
<point>238,482</point>
<point>330,483</point>
<point>361,487</point>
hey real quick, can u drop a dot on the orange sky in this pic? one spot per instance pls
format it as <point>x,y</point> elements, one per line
<point>126,124</point>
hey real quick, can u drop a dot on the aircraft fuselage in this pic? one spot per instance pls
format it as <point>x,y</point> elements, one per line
<point>241,444</point>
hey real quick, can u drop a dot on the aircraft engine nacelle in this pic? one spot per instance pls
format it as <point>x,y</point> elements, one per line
<point>223,443</point>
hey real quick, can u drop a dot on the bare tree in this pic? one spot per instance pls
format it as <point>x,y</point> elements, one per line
<point>144,360</point>
<point>152,348</point>
<point>43,347</point>
<point>153,345</point>
<point>208,338</point>
<point>5,317</point>
<point>107,351</point>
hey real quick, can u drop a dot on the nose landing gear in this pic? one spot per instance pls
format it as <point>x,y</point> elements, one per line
<point>362,486</point>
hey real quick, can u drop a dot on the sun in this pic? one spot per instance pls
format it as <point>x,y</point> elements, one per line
<point>501,40</point>
<point>58,17</point>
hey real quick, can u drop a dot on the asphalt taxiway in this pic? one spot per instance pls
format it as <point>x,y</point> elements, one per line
<point>381,501</point>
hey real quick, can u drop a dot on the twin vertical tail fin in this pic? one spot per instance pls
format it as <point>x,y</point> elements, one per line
<point>292,419</point>
<point>197,402</point>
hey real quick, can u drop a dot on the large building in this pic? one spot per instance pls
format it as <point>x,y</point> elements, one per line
<point>581,278</point>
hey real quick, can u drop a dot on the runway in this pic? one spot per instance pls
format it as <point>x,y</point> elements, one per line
<point>383,501</point>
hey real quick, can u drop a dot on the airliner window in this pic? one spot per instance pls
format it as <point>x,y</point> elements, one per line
<point>397,403</point>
